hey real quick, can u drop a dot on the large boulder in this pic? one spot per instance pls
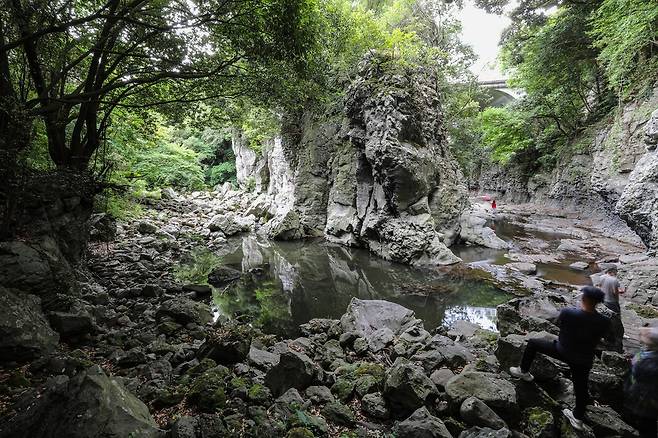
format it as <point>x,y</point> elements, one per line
<point>407,388</point>
<point>510,351</point>
<point>89,405</point>
<point>421,424</point>
<point>497,393</point>
<point>24,331</point>
<point>38,267</point>
<point>476,413</point>
<point>183,310</point>
<point>638,204</point>
<point>474,229</point>
<point>294,370</point>
<point>607,423</point>
<point>285,226</point>
<point>366,317</point>
<point>229,224</point>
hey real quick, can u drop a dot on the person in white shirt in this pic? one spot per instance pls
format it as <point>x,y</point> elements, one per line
<point>609,284</point>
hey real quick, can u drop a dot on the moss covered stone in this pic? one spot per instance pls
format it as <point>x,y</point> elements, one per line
<point>538,423</point>
<point>343,388</point>
<point>208,391</point>
<point>259,394</point>
<point>300,432</point>
<point>338,413</point>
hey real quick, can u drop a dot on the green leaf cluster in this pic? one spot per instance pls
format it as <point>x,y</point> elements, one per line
<point>626,33</point>
<point>504,132</point>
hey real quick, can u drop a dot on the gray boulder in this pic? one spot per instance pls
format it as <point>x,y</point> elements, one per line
<point>476,413</point>
<point>262,359</point>
<point>184,310</point>
<point>89,405</point>
<point>33,267</point>
<point>497,393</point>
<point>24,331</point>
<point>319,394</point>
<point>407,388</point>
<point>294,370</point>
<point>605,422</point>
<point>365,317</point>
<point>421,424</point>
<point>374,405</point>
<point>474,228</point>
<point>510,350</point>
<point>229,224</point>
<point>579,266</point>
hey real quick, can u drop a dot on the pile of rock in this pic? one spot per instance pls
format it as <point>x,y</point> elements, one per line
<point>374,371</point>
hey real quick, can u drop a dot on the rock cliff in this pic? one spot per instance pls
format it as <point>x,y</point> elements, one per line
<point>376,174</point>
<point>611,171</point>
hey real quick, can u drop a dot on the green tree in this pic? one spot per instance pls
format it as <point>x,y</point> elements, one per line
<point>504,132</point>
<point>626,33</point>
<point>72,63</point>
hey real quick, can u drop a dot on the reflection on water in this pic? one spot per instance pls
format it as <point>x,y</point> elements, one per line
<point>534,242</point>
<point>289,283</point>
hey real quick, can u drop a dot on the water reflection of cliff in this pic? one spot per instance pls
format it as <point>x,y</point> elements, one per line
<point>316,279</point>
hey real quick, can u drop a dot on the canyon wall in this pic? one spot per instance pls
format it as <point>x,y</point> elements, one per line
<point>376,173</point>
<point>611,171</point>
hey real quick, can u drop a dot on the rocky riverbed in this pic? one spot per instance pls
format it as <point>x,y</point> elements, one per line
<point>136,350</point>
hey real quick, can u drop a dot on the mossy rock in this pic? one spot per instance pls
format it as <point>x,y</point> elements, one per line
<point>208,391</point>
<point>259,394</point>
<point>237,383</point>
<point>538,423</point>
<point>201,367</point>
<point>299,432</point>
<point>338,413</point>
<point>373,369</point>
<point>312,422</point>
<point>645,311</point>
<point>343,388</point>
<point>367,384</point>
<point>168,397</point>
<point>18,380</point>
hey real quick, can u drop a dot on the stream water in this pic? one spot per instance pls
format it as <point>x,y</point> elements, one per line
<point>286,284</point>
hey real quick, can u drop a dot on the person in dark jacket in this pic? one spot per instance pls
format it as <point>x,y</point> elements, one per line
<point>642,393</point>
<point>581,330</point>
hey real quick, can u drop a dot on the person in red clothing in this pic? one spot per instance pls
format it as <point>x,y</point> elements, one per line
<point>493,205</point>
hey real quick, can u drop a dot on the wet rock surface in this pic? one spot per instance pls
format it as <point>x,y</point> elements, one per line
<point>377,369</point>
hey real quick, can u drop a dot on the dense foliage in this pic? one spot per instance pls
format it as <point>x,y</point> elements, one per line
<point>575,62</point>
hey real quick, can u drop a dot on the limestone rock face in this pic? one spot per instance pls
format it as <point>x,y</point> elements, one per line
<point>638,204</point>
<point>376,174</point>
<point>397,190</point>
<point>474,230</point>
<point>250,169</point>
<point>91,404</point>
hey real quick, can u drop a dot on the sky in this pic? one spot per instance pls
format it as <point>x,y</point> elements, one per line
<point>482,31</point>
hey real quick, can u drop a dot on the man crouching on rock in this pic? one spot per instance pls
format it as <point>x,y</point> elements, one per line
<point>581,329</point>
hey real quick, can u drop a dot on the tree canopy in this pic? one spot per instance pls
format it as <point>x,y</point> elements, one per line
<point>71,63</point>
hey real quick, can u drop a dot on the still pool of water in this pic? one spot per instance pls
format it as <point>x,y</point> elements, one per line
<point>289,283</point>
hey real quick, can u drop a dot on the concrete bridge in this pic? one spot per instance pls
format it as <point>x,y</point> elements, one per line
<point>500,92</point>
